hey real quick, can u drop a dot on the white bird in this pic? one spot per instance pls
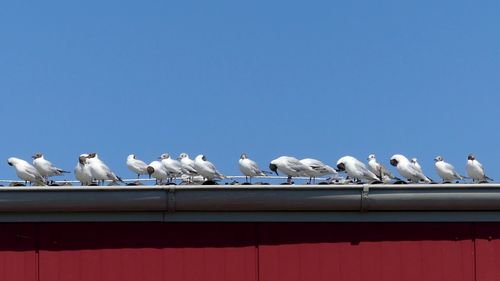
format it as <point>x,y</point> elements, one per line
<point>136,166</point>
<point>446,171</point>
<point>407,169</point>
<point>318,169</point>
<point>249,168</point>
<point>82,171</point>
<point>475,169</point>
<point>356,169</point>
<point>206,169</point>
<point>45,167</point>
<point>379,169</point>
<point>290,166</point>
<point>158,171</point>
<point>99,170</point>
<point>187,166</point>
<point>173,166</point>
<point>26,171</point>
<point>417,166</point>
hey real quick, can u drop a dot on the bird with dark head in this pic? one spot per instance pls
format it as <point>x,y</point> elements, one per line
<point>274,168</point>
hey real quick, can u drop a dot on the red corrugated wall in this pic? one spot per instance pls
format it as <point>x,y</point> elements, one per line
<point>250,251</point>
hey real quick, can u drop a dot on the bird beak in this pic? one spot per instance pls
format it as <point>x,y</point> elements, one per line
<point>394,162</point>
<point>10,164</point>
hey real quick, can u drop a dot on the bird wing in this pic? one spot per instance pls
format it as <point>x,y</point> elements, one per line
<point>297,166</point>
<point>385,171</point>
<point>367,173</point>
<point>189,167</point>
<point>448,166</point>
<point>255,168</point>
<point>108,172</point>
<point>32,171</point>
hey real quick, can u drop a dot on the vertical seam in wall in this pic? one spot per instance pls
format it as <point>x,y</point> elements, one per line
<point>257,250</point>
<point>474,252</point>
<point>37,249</point>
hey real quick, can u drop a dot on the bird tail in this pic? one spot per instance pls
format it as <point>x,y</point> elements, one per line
<point>488,178</point>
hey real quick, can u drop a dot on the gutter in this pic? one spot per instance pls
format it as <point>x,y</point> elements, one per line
<point>243,198</point>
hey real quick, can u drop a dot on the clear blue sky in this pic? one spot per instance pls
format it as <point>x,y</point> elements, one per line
<point>319,79</point>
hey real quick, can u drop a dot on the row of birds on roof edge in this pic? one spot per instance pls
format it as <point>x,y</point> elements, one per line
<point>91,170</point>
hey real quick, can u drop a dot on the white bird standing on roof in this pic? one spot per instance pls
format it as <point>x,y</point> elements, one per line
<point>417,166</point>
<point>45,167</point>
<point>187,166</point>
<point>290,166</point>
<point>136,166</point>
<point>82,171</point>
<point>249,168</point>
<point>173,166</point>
<point>408,169</point>
<point>318,169</point>
<point>380,170</point>
<point>26,171</point>
<point>356,169</point>
<point>446,171</point>
<point>99,170</point>
<point>158,171</point>
<point>475,169</point>
<point>206,169</point>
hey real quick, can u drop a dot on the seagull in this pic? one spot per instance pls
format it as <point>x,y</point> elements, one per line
<point>446,171</point>
<point>45,167</point>
<point>26,171</point>
<point>157,170</point>
<point>380,170</point>
<point>137,166</point>
<point>416,165</point>
<point>290,166</point>
<point>356,169</point>
<point>187,166</point>
<point>408,169</point>
<point>318,169</point>
<point>249,168</point>
<point>475,170</point>
<point>206,168</point>
<point>82,171</point>
<point>99,170</point>
<point>174,167</point>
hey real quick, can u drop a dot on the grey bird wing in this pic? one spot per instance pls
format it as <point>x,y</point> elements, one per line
<point>318,166</point>
<point>109,173</point>
<point>385,172</point>
<point>255,168</point>
<point>451,168</point>
<point>298,166</point>
<point>190,169</point>
<point>32,171</point>
<point>367,173</point>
